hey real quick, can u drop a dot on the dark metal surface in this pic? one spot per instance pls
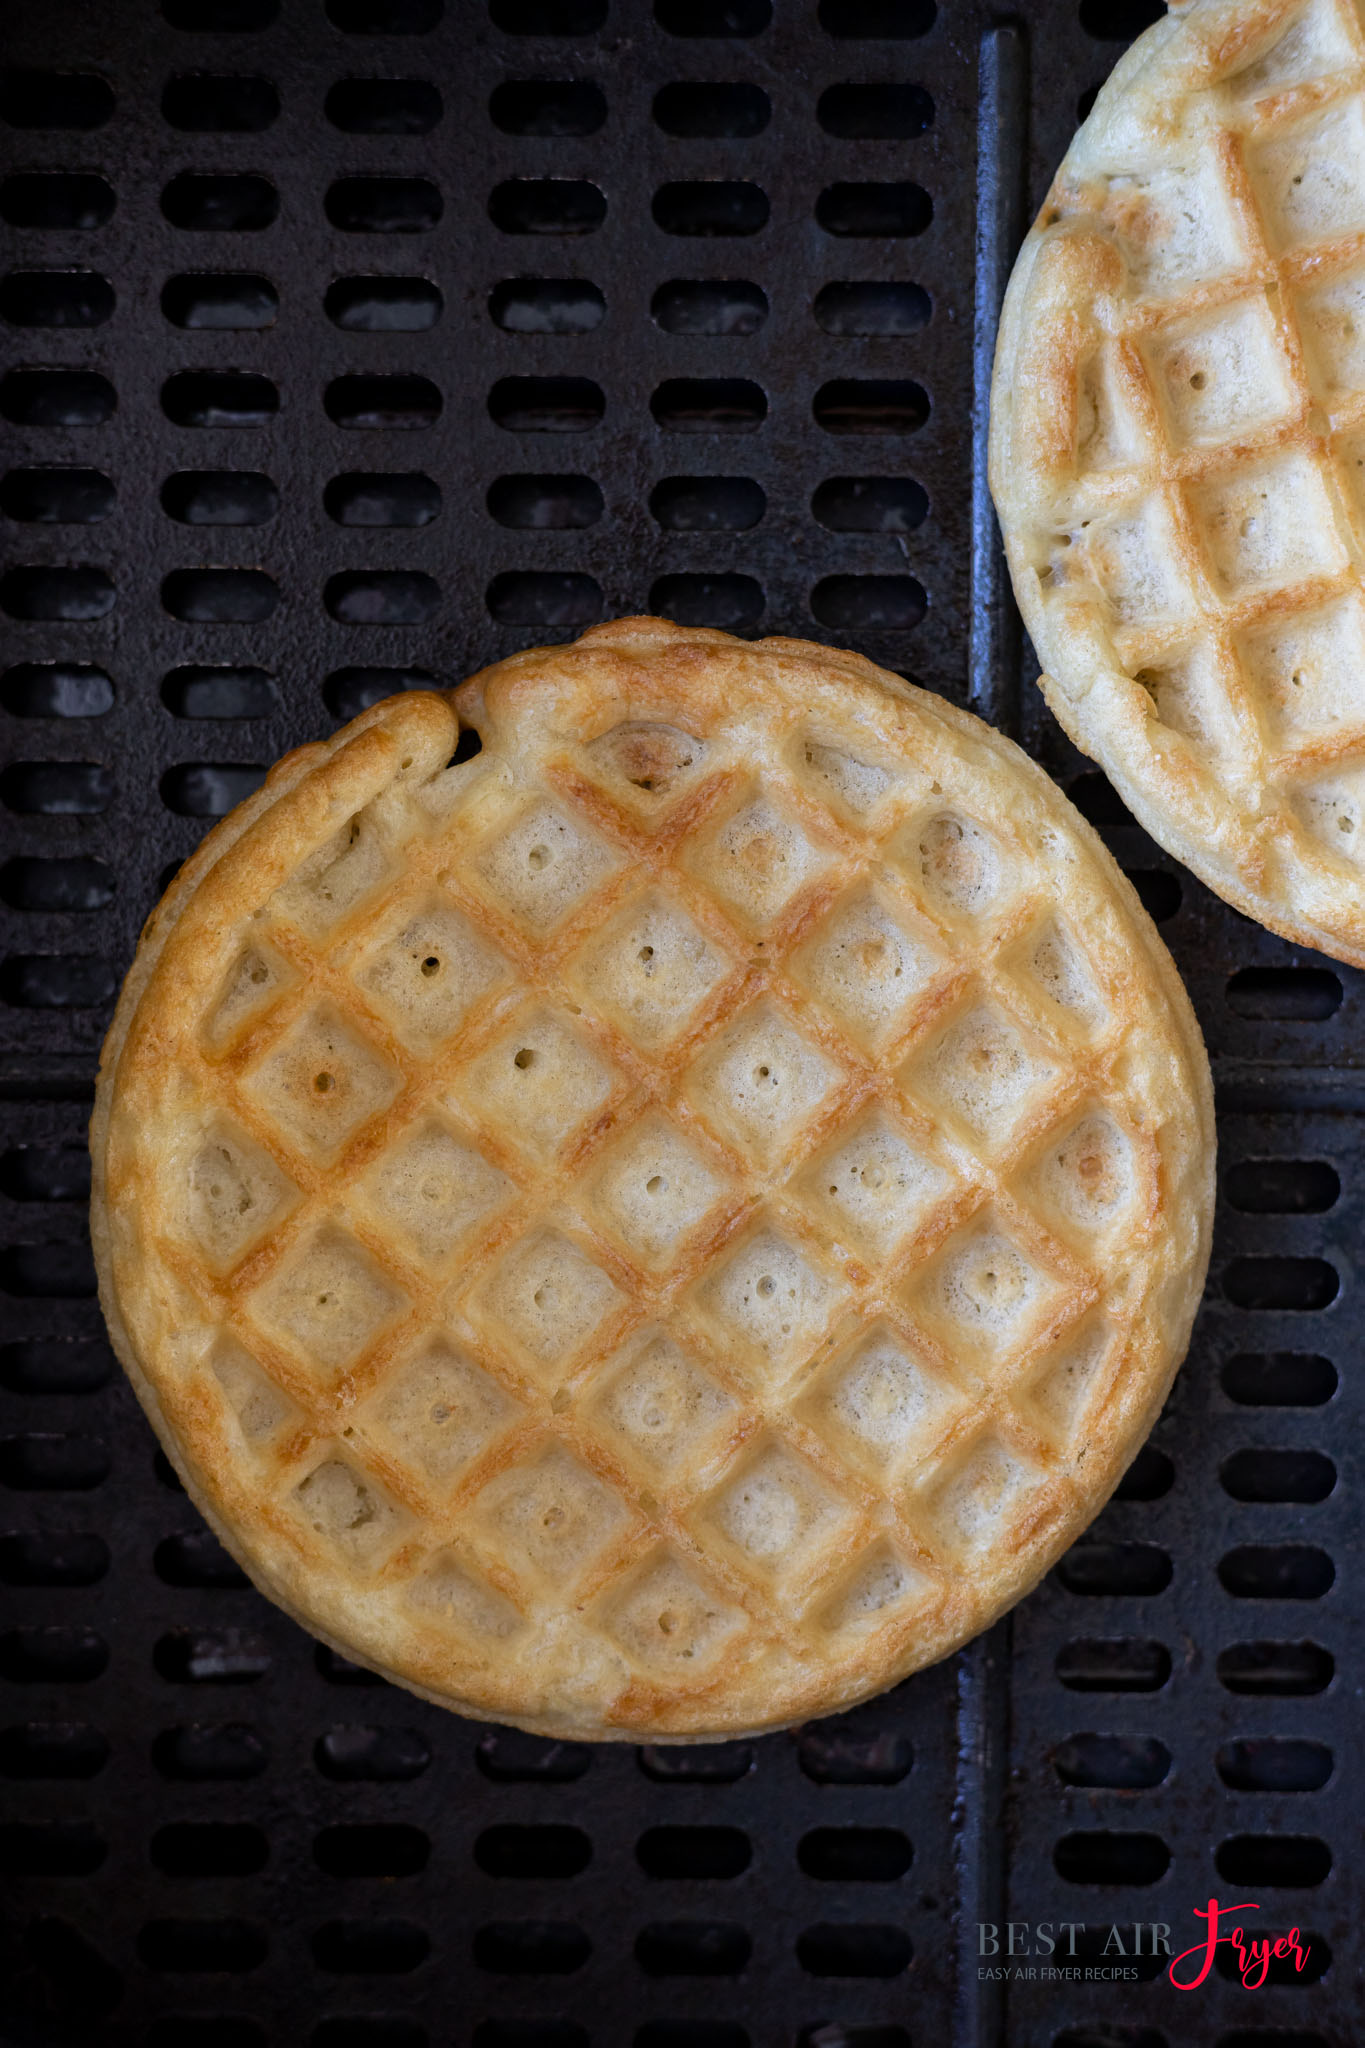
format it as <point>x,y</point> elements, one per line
<point>213,1834</point>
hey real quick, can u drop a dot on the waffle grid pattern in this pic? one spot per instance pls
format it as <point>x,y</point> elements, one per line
<point>773,1255</point>
<point>1211,497</point>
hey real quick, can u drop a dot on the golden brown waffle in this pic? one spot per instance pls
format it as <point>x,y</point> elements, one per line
<point>1178,450</point>
<point>665,1226</point>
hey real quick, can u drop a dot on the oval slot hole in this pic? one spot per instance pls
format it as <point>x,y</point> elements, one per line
<point>219,398</point>
<point>847,1949</point>
<point>72,1559</point>
<point>197,1559</point>
<point>1264,1475</point>
<point>1279,1379</point>
<point>545,598</point>
<point>854,1855</point>
<point>877,308</point>
<point>78,100</point>
<point>732,602</point>
<point>56,199</point>
<point>370,498</point>
<point>547,206</point>
<point>853,405</point>
<point>57,497</point>
<point>230,1656</point>
<point>384,305</point>
<point>877,20</point>
<point>57,398</point>
<point>701,110</point>
<point>868,604</point>
<point>546,305</point>
<point>545,502</point>
<point>834,1753</point>
<point>1282,1187</point>
<point>204,1947</point>
<point>874,211</point>
<point>509,1757</point>
<point>229,301</point>
<point>51,1848</point>
<point>875,113</point>
<point>52,1656</point>
<point>72,595</point>
<point>709,305</point>
<point>203,202</point>
<point>73,882</point>
<point>547,1851</point>
<point>46,1173</point>
<point>1113,1664</point>
<point>384,106</point>
<point>220,597</point>
<point>220,497</point>
<point>55,1365</point>
<point>383,206</point>
<point>692,1948</point>
<point>531,1948</point>
<point>1286,995</point>
<point>53,1749</point>
<point>56,689</point>
<point>385,1849</point>
<point>56,789</point>
<point>1111,1856</point>
<point>209,1849</point>
<point>1123,1763</point>
<point>385,17</point>
<point>1274,1763</point>
<point>197,692</point>
<point>382,402</point>
<point>209,789</point>
<point>1301,1286</point>
<point>727,18</point>
<point>210,1752</point>
<point>1117,1570</point>
<point>709,405</point>
<point>381,597</point>
<point>699,1763</point>
<point>382,1756</point>
<point>210,103</point>
<point>711,206</point>
<point>1276,1571</point>
<point>62,1271</point>
<point>699,1853</point>
<point>56,298</point>
<point>548,106</point>
<point>1297,1861</point>
<point>546,405</point>
<point>349,691</point>
<point>870,504</point>
<point>707,504</point>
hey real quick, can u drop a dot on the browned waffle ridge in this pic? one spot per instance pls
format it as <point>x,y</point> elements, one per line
<point>1178,451</point>
<point>666,1226</point>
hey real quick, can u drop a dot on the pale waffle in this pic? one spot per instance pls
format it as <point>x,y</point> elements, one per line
<point>1178,450</point>
<point>662,1227</point>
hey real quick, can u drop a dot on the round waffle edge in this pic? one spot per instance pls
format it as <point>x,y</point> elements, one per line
<point>984,1202</point>
<point>1178,451</point>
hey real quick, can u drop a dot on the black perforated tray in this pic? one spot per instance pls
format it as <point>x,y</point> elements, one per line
<point>569,254</point>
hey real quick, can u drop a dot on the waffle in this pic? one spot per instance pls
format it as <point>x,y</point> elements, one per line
<point>1178,451</point>
<point>660,1228</point>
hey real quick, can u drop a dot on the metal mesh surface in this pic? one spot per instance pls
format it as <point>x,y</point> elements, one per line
<point>347,346</point>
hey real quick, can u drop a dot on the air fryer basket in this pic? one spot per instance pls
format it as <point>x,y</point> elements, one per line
<point>352,344</point>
